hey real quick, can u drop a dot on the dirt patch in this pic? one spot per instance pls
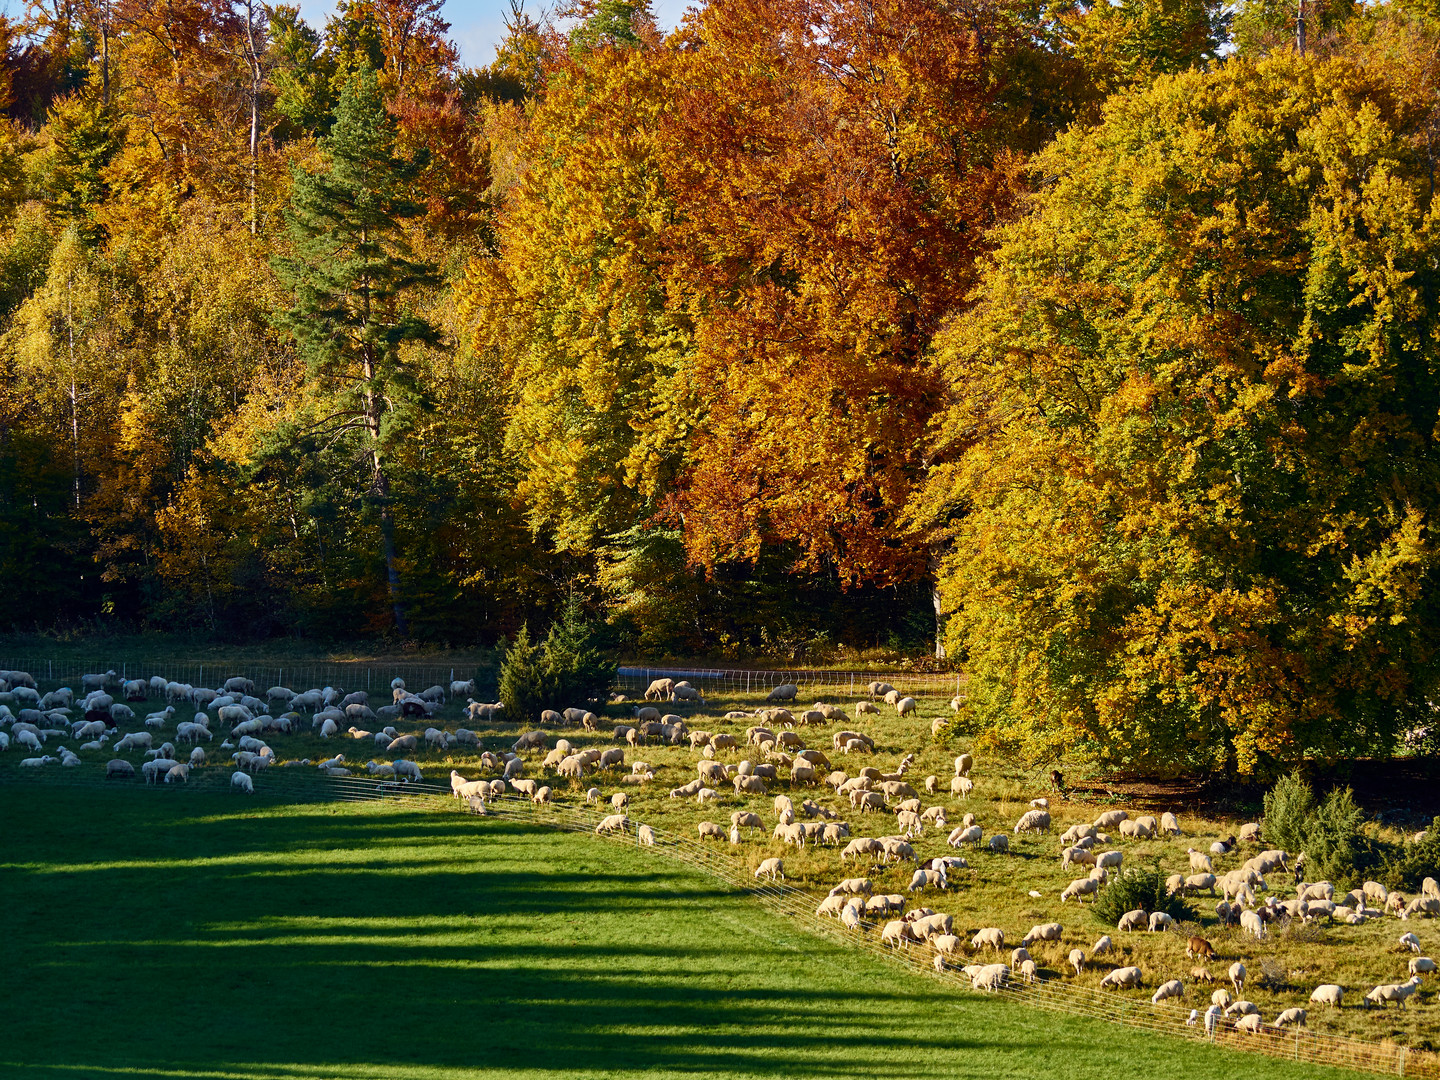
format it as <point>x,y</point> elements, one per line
<point>1403,792</point>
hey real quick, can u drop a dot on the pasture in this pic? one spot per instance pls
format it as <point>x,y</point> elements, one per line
<point>168,933</point>
<point>998,890</point>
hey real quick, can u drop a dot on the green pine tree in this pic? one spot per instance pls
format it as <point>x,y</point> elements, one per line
<point>351,271</point>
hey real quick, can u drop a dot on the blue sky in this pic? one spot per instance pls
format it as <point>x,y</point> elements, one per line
<point>477,25</point>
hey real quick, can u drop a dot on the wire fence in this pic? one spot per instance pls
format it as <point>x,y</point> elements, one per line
<point>814,681</point>
<point>305,785</point>
<point>370,676</point>
<point>356,675</point>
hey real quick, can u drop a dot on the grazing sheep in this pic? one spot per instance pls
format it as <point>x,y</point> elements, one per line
<point>1122,979</point>
<point>1221,998</point>
<point>1159,920</point>
<point>1079,889</point>
<point>1250,1023</point>
<point>1421,965</point>
<point>1327,994</point>
<point>990,937</point>
<point>1201,975</point>
<point>709,828</point>
<point>1237,976</point>
<point>1199,949</point>
<point>645,836</point>
<point>1252,923</point>
<point>119,767</point>
<point>613,823</point>
<point>1033,821</point>
<point>1292,1018</point>
<point>1076,960</point>
<point>1396,992</point>
<point>1042,932</point>
<point>242,782</point>
<point>771,868</point>
<point>1172,989</point>
<point>1133,920</point>
<point>783,692</point>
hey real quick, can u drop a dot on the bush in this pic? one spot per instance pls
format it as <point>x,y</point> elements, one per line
<point>1335,848</point>
<point>1288,806</point>
<point>1411,864</point>
<point>1138,887</point>
<point>1328,832</point>
<point>570,669</point>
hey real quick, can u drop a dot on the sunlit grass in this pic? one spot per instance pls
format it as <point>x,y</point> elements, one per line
<point>146,937</point>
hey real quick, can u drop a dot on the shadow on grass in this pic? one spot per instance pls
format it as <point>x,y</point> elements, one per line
<point>470,947</point>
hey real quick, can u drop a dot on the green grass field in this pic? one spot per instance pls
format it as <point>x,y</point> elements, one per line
<point>200,935</point>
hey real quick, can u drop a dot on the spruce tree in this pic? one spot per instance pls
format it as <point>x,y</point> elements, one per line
<point>351,270</point>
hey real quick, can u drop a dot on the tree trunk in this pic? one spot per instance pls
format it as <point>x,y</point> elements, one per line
<point>256,81</point>
<point>380,488</point>
<point>939,623</point>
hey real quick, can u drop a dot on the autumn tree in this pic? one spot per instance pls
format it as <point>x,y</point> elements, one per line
<point>575,307</point>
<point>834,168</point>
<point>351,273</point>
<point>1189,478</point>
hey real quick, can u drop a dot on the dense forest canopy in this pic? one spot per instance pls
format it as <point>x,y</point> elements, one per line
<point>1107,329</point>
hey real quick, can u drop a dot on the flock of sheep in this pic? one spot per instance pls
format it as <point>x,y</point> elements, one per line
<point>107,716</point>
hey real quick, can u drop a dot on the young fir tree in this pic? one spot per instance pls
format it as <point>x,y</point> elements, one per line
<point>350,272</point>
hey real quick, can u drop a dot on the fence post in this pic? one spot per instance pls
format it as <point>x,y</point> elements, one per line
<point>1403,1054</point>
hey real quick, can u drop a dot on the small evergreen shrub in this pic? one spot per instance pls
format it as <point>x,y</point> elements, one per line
<point>1288,806</point>
<point>571,668</point>
<point>1138,887</point>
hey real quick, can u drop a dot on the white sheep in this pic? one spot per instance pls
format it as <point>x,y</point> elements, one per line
<point>1122,978</point>
<point>242,782</point>
<point>1077,960</point>
<point>1327,994</point>
<point>771,868</point>
<point>613,823</point>
<point>1421,965</point>
<point>1396,992</point>
<point>1133,920</point>
<point>1172,989</point>
<point>1292,1018</point>
<point>645,836</point>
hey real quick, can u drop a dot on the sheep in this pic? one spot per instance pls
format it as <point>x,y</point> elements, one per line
<point>645,836</point>
<point>1221,999</point>
<point>1122,979</point>
<point>1250,1023</point>
<point>898,934</point>
<point>1076,959</point>
<point>1421,965</point>
<point>1077,856</point>
<point>1422,905</point>
<point>409,771</point>
<point>1252,923</point>
<point>923,879</point>
<point>989,937</point>
<point>1042,932</point>
<point>1201,974</point>
<point>242,782</point>
<point>1172,989</point>
<point>991,977</point>
<point>961,786</point>
<point>1327,994</point>
<point>119,767</point>
<point>1243,1008</point>
<point>709,828</point>
<point>1237,976</point>
<point>1292,1018</point>
<point>1396,992</point>
<point>178,773</point>
<point>1033,821</point>
<point>614,823</point>
<point>771,868</point>
<point>135,741</point>
<point>965,835</point>
<point>1159,921</point>
<point>541,796</point>
<point>928,927</point>
<point>1250,833</point>
<point>1200,949</point>
<point>1133,920</point>
<point>783,692</point>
